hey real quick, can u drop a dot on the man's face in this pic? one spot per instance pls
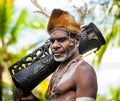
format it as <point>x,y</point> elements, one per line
<point>62,46</point>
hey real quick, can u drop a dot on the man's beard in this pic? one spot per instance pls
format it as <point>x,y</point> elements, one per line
<point>61,59</point>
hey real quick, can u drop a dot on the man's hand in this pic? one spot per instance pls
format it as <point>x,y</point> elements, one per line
<point>22,97</point>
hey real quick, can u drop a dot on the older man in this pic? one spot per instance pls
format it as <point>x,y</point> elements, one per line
<point>74,79</point>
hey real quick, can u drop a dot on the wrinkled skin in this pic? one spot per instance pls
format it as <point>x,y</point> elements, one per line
<point>79,80</point>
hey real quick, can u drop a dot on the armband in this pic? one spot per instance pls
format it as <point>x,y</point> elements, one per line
<point>85,99</point>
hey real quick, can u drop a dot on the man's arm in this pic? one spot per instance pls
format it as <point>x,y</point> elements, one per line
<point>86,82</point>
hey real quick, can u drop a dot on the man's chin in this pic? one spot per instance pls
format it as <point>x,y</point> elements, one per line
<point>60,59</point>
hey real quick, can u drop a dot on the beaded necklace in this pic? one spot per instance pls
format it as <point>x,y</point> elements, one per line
<point>57,78</point>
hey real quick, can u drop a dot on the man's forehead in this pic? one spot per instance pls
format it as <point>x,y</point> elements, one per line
<point>59,33</point>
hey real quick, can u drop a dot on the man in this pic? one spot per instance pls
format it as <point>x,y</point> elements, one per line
<point>74,79</point>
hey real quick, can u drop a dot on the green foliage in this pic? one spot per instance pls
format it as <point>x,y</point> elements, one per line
<point>14,30</point>
<point>111,26</point>
<point>38,23</point>
<point>9,29</point>
<point>115,94</point>
<point>2,18</point>
<point>101,98</point>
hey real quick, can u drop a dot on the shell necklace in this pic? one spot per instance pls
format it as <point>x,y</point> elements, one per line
<point>55,79</point>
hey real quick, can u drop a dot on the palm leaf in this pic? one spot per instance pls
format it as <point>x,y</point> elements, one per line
<point>14,31</point>
<point>2,18</point>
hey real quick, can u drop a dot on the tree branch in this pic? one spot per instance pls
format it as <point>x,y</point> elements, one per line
<point>41,10</point>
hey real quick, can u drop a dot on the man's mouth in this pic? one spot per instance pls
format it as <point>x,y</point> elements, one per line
<point>57,54</point>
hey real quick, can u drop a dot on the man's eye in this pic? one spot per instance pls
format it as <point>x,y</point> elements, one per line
<point>58,40</point>
<point>61,39</point>
<point>52,41</point>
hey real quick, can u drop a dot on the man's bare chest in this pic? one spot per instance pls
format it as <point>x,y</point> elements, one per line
<point>63,81</point>
<point>66,83</point>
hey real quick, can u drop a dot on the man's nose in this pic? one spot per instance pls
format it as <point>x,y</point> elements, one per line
<point>56,44</point>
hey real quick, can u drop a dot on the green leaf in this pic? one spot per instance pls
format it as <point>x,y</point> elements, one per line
<point>14,31</point>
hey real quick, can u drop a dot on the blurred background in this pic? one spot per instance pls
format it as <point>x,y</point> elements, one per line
<point>23,29</point>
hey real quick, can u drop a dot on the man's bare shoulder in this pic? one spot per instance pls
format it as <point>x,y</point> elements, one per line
<point>84,67</point>
<point>84,74</point>
<point>85,80</point>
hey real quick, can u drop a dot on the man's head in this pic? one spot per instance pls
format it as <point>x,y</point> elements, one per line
<point>64,34</point>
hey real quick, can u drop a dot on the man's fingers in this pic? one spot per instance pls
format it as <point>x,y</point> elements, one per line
<point>28,98</point>
<point>19,92</point>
